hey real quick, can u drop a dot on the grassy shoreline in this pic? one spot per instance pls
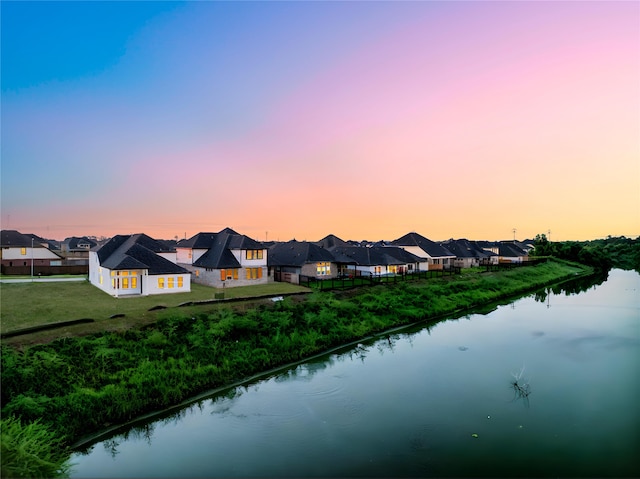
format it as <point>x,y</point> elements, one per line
<point>81,386</point>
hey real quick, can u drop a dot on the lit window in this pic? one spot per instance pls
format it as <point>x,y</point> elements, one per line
<point>113,273</point>
<point>100,279</point>
<point>161,283</point>
<point>255,254</point>
<point>392,268</point>
<point>124,273</point>
<point>134,273</point>
<point>125,283</point>
<point>179,281</point>
<point>170,281</point>
<point>23,250</point>
<point>197,273</point>
<point>134,282</point>
<point>254,273</point>
<point>323,269</point>
<point>113,283</point>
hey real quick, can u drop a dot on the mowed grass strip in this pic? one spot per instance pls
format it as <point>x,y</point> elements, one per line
<point>24,305</point>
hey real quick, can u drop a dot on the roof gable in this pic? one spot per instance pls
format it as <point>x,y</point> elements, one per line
<point>135,252</point>
<point>432,248</point>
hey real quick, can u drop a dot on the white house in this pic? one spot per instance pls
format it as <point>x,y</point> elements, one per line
<point>437,256</point>
<point>136,264</point>
<point>17,249</point>
<point>224,259</point>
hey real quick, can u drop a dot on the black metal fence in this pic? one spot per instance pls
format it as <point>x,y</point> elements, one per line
<point>502,265</point>
<point>348,282</point>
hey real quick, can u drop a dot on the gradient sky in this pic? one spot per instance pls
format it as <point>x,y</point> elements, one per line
<point>299,119</point>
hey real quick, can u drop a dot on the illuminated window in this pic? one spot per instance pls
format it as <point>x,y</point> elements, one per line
<point>161,283</point>
<point>100,279</point>
<point>113,273</point>
<point>254,273</point>
<point>392,268</point>
<point>125,283</point>
<point>24,251</point>
<point>228,274</point>
<point>170,281</point>
<point>134,282</point>
<point>197,273</point>
<point>124,273</point>
<point>255,254</point>
<point>113,283</point>
<point>179,281</point>
<point>323,269</point>
<point>377,269</point>
<point>134,273</point>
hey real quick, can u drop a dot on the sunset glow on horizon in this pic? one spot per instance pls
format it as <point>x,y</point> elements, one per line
<point>286,120</point>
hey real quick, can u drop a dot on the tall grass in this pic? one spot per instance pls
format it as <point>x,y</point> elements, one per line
<point>31,450</point>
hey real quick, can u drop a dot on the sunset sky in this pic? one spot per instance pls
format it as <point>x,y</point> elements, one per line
<point>287,120</point>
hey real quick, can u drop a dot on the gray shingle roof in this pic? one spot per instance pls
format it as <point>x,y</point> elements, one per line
<point>374,255</point>
<point>297,253</point>
<point>14,239</point>
<point>137,251</point>
<point>219,246</point>
<point>432,248</point>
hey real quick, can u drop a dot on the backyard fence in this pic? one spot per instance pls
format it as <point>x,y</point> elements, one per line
<point>347,282</point>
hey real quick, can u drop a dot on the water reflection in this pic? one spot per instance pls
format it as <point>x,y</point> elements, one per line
<point>223,402</point>
<point>574,286</point>
<point>409,403</point>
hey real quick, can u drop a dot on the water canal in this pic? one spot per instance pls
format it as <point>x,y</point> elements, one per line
<point>429,402</point>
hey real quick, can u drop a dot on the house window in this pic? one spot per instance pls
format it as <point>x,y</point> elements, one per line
<point>125,283</point>
<point>180,281</point>
<point>101,279</point>
<point>254,273</point>
<point>392,268</point>
<point>323,269</point>
<point>231,273</point>
<point>377,269</point>
<point>134,282</point>
<point>161,283</point>
<point>254,254</point>
<point>170,282</point>
<point>113,283</point>
<point>197,273</point>
<point>23,251</point>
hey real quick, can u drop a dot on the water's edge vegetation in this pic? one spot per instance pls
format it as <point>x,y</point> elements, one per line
<point>75,387</point>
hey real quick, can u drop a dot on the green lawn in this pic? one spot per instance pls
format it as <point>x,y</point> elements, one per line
<point>29,304</point>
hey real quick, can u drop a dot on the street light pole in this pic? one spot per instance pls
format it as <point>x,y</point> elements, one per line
<point>32,258</point>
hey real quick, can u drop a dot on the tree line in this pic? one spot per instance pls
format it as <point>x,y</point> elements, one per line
<point>602,254</point>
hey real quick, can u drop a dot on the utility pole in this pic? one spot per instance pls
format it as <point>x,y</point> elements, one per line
<point>514,234</point>
<point>549,235</point>
<point>32,258</point>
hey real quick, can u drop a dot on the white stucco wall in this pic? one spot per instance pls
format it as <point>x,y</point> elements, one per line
<point>35,253</point>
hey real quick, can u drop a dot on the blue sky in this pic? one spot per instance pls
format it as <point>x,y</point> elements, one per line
<point>177,117</point>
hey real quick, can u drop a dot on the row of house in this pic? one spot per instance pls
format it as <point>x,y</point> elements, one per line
<point>140,265</point>
<point>26,250</point>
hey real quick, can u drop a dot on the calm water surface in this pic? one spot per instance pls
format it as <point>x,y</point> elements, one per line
<point>436,401</point>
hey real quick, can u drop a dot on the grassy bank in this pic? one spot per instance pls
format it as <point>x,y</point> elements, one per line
<point>31,304</point>
<point>75,386</point>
